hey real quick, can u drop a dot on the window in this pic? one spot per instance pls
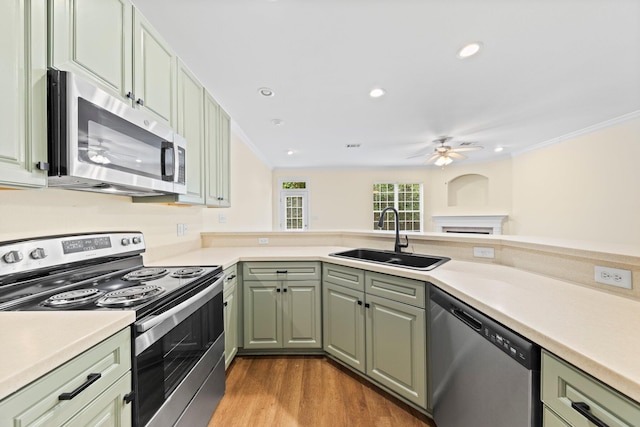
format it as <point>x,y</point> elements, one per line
<point>294,205</point>
<point>406,198</point>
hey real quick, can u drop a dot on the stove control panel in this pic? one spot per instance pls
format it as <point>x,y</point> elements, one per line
<point>45,252</point>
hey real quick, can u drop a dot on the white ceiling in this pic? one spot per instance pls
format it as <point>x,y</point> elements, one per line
<point>548,68</point>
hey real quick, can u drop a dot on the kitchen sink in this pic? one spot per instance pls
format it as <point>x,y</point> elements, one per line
<point>396,259</point>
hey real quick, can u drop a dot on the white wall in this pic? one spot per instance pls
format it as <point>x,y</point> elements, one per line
<point>342,199</point>
<point>250,194</point>
<point>31,213</point>
<point>586,188</point>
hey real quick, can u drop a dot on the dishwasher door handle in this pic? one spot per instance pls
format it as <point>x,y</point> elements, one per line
<point>468,319</point>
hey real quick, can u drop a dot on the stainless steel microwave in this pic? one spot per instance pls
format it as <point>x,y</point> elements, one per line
<point>99,143</point>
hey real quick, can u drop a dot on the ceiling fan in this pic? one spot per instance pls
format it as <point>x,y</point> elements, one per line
<point>444,154</point>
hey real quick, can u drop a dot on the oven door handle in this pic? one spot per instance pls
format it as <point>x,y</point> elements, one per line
<point>182,310</point>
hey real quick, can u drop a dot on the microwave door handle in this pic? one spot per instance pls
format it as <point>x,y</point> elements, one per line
<point>168,161</point>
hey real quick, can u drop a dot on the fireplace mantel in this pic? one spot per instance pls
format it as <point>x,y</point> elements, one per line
<point>484,224</point>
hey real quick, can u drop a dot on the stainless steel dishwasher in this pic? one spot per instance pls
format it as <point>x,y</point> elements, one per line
<point>482,373</point>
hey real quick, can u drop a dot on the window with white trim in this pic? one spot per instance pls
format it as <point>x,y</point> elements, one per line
<point>405,198</point>
<point>294,205</point>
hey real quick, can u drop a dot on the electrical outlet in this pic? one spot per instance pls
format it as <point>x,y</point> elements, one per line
<point>263,240</point>
<point>484,252</point>
<point>180,230</point>
<point>222,218</point>
<point>613,276</point>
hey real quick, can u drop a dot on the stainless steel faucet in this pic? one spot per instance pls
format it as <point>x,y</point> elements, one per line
<point>398,246</point>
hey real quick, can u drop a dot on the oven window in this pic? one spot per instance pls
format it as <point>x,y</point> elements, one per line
<point>112,142</point>
<point>162,367</point>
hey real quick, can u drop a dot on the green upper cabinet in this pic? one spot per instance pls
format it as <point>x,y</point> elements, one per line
<point>191,127</point>
<point>206,128</point>
<point>217,147</point>
<point>154,65</point>
<point>217,143</point>
<point>23,84</point>
<point>110,43</point>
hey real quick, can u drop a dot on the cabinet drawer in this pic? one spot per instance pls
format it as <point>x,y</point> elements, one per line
<point>399,289</point>
<point>300,270</point>
<point>345,276</point>
<point>230,277</point>
<point>39,402</point>
<point>563,384</point>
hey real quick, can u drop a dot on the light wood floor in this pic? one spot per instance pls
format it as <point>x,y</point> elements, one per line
<point>306,391</point>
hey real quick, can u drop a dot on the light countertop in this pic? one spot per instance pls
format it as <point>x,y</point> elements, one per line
<point>35,343</point>
<point>593,330</point>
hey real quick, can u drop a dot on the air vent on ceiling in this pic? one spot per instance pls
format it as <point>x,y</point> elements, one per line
<point>353,145</point>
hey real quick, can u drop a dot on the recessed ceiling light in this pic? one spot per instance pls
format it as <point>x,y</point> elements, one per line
<point>265,91</point>
<point>290,153</point>
<point>377,92</point>
<point>469,50</point>
<point>277,122</point>
<point>498,149</point>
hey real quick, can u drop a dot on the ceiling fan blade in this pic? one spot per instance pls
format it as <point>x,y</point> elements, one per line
<point>432,158</point>
<point>455,155</point>
<point>471,148</point>
<point>420,153</point>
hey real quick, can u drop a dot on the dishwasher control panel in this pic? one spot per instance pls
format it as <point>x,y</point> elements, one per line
<point>517,347</point>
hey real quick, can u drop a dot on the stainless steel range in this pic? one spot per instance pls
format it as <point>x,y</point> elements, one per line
<point>178,336</point>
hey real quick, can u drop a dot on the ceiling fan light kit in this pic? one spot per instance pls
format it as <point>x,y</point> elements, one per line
<point>443,160</point>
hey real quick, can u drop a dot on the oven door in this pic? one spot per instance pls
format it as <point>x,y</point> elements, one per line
<point>176,354</point>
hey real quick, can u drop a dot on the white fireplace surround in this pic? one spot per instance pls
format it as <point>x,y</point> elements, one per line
<point>469,223</point>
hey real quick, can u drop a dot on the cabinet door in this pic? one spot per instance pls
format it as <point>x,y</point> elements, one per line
<point>93,38</point>
<point>396,347</point>
<point>230,325</point>
<point>191,126</point>
<point>343,311</point>
<point>550,419</point>
<point>23,84</point>
<point>262,314</point>
<point>108,409</point>
<point>154,72</point>
<point>212,130</point>
<point>224,159</point>
<point>301,314</point>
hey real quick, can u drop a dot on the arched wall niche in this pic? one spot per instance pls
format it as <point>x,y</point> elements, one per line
<point>469,191</point>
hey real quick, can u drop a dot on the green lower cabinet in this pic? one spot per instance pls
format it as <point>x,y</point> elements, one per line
<point>577,397</point>
<point>101,376</point>
<point>550,419</point>
<point>109,409</point>
<point>262,314</point>
<point>396,347</point>
<point>230,301</point>
<point>344,324</point>
<point>279,312</point>
<point>379,336</point>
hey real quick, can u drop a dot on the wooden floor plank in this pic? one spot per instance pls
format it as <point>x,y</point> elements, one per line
<point>306,391</point>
